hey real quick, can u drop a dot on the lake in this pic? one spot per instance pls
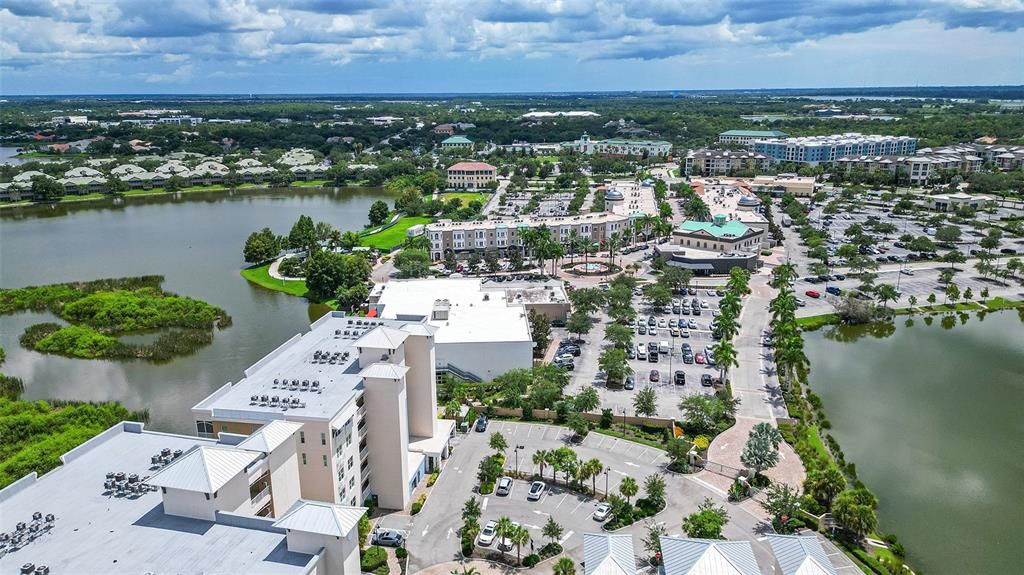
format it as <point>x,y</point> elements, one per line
<point>933,416</point>
<point>194,240</point>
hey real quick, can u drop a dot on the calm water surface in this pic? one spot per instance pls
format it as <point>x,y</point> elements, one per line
<point>195,241</point>
<point>933,416</point>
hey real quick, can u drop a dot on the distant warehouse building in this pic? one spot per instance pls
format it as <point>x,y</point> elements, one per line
<point>748,136</point>
<point>816,150</point>
<point>621,148</point>
<point>471,175</point>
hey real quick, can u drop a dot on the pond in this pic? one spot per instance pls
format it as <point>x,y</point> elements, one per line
<point>194,240</point>
<point>932,417</point>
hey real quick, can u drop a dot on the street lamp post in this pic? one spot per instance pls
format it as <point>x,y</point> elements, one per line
<point>606,470</point>
<point>516,450</point>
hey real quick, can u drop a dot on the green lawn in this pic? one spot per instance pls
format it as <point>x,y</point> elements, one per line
<point>260,275</point>
<point>393,236</point>
<point>1003,303</point>
<point>816,321</point>
<point>466,197</point>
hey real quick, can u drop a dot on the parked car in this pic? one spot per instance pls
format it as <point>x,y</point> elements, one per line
<point>840,277</point>
<point>504,486</point>
<point>711,292</point>
<point>652,331</point>
<point>705,380</point>
<point>655,376</point>
<point>813,294</point>
<point>388,538</point>
<point>801,302</point>
<point>674,331</point>
<point>679,378</point>
<point>691,324</point>
<point>641,329</point>
<point>481,423</point>
<point>536,490</point>
<point>662,323</point>
<point>630,382</point>
<point>684,333</point>
<point>907,271</point>
<point>833,290</point>
<point>652,321</point>
<point>699,358</point>
<point>602,512</point>
<point>487,534</point>
<point>720,293</point>
<point>505,544</point>
<point>571,348</point>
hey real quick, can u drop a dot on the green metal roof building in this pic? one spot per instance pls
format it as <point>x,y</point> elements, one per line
<point>456,141</point>
<point>719,228</point>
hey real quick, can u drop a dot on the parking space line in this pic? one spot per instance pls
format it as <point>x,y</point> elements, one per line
<point>565,537</point>
<point>560,502</point>
<point>578,505</point>
<point>483,504</point>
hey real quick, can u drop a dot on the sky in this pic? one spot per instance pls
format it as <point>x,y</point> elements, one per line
<point>446,46</point>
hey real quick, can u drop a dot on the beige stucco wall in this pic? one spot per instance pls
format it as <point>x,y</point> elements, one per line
<point>421,385</point>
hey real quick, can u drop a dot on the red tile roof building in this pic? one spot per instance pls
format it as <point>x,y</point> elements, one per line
<point>471,175</point>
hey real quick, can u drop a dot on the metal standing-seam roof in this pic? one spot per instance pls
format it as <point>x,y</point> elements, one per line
<point>800,555</point>
<point>382,337</point>
<point>608,554</point>
<point>204,469</point>
<point>383,370</point>
<point>270,436</point>
<point>321,518</point>
<point>683,556</point>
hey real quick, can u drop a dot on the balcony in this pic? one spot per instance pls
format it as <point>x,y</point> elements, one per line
<point>361,412</point>
<point>261,499</point>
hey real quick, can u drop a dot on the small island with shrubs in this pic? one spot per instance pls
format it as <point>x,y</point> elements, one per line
<point>99,312</point>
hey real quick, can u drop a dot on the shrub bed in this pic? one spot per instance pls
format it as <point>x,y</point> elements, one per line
<point>373,557</point>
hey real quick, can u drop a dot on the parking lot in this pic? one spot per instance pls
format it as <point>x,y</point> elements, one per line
<point>441,515</point>
<point>587,372</point>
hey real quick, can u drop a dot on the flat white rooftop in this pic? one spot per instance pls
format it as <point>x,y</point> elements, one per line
<point>98,533</point>
<point>476,314</point>
<point>319,368</point>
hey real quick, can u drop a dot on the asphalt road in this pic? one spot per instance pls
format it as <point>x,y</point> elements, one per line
<point>432,536</point>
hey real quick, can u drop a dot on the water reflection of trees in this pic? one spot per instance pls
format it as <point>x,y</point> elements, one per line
<point>852,333</point>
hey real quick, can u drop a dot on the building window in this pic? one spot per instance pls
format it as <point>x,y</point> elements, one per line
<point>351,481</point>
<point>303,458</point>
<point>325,460</point>
<point>224,428</point>
<point>350,463</point>
<point>204,428</point>
<point>302,437</point>
<point>323,439</point>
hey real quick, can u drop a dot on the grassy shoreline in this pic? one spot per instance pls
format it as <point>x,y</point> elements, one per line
<point>260,275</point>
<point>162,192</point>
<point>814,322</point>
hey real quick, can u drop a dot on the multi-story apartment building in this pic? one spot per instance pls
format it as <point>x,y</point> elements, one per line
<point>132,501</point>
<point>621,148</point>
<point>488,235</point>
<point>927,162</point>
<point>748,137</point>
<point>724,162</point>
<point>814,150</point>
<point>364,392</point>
<point>471,175</point>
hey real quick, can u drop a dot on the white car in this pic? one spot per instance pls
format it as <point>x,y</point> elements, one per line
<point>505,544</point>
<point>684,333</point>
<point>504,486</point>
<point>662,323</point>
<point>536,490</point>
<point>487,534</point>
<point>602,512</point>
<point>704,303</point>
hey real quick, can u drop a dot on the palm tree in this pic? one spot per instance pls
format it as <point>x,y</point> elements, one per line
<point>886,293</point>
<point>504,528</point>
<point>565,566</point>
<point>593,468</point>
<point>579,244</point>
<point>540,457</point>
<point>613,242</point>
<point>647,222</point>
<point>574,243</point>
<point>465,571</point>
<point>471,509</point>
<point>520,536</point>
<point>725,356</point>
<point>628,488</point>
<point>782,275</point>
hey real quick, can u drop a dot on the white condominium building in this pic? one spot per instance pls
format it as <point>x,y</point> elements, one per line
<point>814,150</point>
<point>131,501</point>
<point>364,392</point>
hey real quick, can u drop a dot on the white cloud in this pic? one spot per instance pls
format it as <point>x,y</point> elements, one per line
<point>181,75</point>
